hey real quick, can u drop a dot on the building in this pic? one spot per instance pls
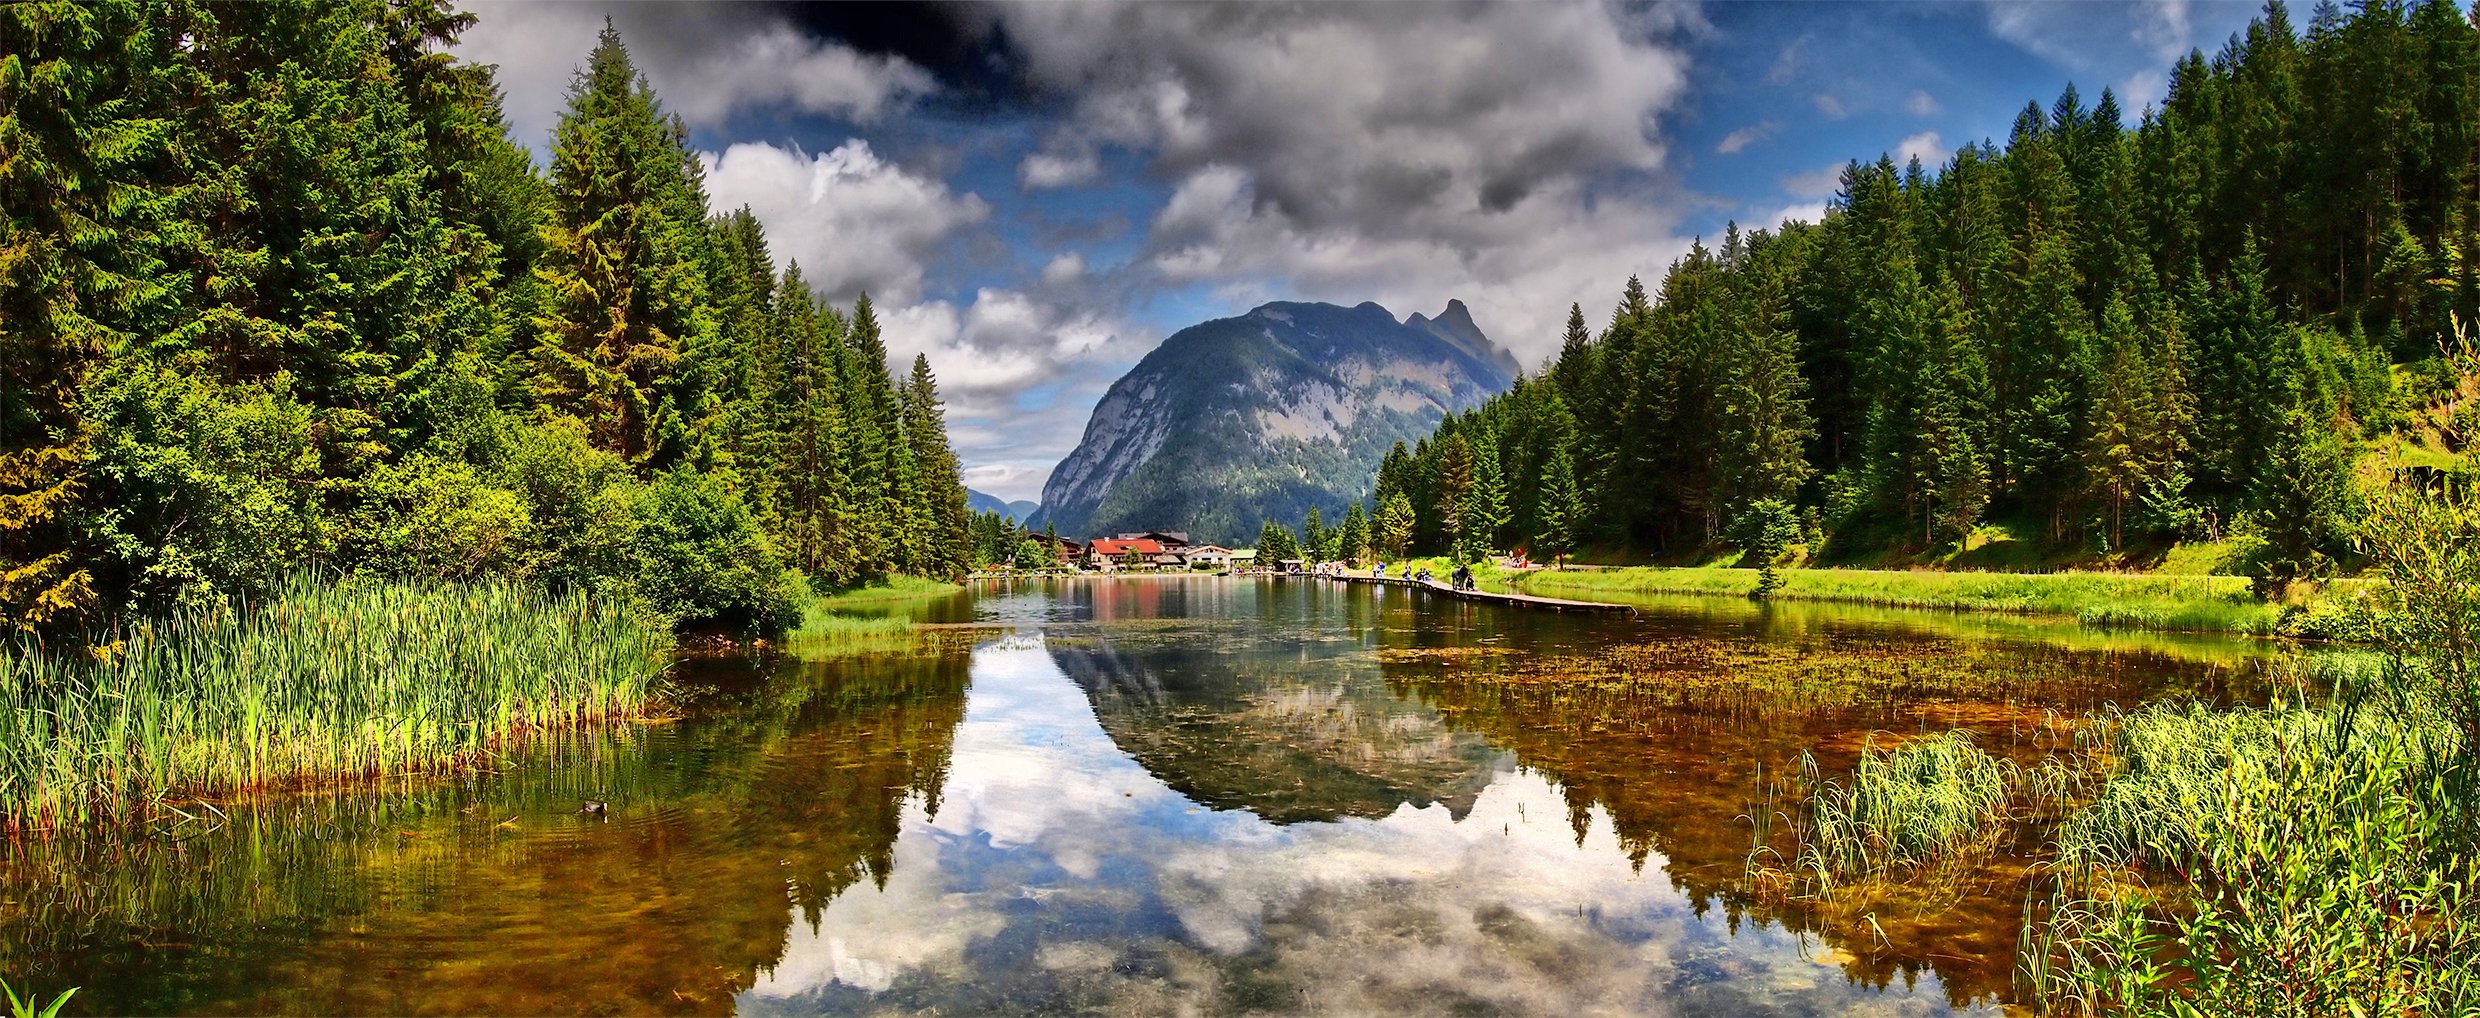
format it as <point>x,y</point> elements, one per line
<point>1171,540</point>
<point>1116,550</point>
<point>1208,556</point>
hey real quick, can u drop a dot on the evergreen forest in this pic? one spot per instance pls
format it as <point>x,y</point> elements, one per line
<point>281,294</point>
<point>2107,338</point>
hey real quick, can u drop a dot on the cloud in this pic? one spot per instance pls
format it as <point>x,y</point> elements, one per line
<point>1805,212</point>
<point>1924,147</point>
<point>2091,35</point>
<point>1406,153</point>
<point>705,61</point>
<point>1787,64</point>
<point>1922,104</point>
<point>1830,105</point>
<point>1733,142</point>
<point>1818,183</point>
<point>1042,170</point>
<point>854,221</point>
<point>1067,267</point>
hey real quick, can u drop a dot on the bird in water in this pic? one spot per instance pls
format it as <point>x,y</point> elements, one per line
<point>594,808</point>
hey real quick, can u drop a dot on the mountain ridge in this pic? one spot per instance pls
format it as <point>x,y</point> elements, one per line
<point>1259,416</point>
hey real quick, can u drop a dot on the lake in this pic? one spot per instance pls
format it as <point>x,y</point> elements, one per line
<point>1143,796</point>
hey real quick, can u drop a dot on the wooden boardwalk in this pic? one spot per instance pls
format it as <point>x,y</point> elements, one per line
<point>1490,596</point>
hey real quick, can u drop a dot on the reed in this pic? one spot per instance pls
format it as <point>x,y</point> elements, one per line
<point>823,634</point>
<point>1905,806</point>
<point>319,681</point>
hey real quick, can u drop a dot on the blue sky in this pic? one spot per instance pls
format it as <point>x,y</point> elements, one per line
<point>1035,194</point>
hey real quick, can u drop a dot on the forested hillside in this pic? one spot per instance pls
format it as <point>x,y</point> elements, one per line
<point>2102,335</point>
<point>279,292</point>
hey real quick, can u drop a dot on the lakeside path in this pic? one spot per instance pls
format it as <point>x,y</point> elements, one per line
<point>1487,596</point>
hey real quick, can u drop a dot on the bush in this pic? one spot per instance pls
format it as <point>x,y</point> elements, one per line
<point>703,560</point>
<point>431,517</point>
<point>581,501</point>
<point>214,489</point>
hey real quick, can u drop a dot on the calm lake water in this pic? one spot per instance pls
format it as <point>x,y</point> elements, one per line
<point>1138,796</point>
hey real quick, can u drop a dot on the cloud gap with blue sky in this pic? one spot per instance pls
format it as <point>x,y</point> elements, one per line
<point>1036,194</point>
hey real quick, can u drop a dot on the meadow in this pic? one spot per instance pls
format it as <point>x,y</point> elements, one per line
<point>2168,603</point>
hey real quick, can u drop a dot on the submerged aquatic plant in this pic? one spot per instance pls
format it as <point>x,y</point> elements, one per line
<point>319,681</point>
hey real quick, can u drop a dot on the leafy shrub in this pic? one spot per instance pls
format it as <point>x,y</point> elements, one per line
<point>703,559</point>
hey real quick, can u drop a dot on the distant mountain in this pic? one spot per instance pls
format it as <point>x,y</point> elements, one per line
<point>1240,420</point>
<point>983,502</point>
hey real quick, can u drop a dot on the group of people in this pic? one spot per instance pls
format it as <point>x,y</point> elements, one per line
<point>1461,579</point>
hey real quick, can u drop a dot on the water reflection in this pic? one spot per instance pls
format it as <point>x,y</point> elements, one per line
<point>1062,875</point>
<point>1163,795</point>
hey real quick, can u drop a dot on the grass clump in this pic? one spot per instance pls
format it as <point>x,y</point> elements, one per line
<point>893,589</point>
<point>825,634</point>
<point>2324,860</point>
<point>1905,806</point>
<point>318,681</point>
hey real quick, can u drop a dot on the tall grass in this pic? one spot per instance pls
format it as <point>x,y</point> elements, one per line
<point>319,681</point>
<point>2301,861</point>
<point>825,634</point>
<point>1905,806</point>
<point>2168,603</point>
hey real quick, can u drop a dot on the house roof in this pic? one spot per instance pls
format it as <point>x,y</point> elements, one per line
<point>1115,547</point>
<point>1167,537</point>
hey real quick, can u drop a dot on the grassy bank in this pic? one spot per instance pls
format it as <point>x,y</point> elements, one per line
<point>318,682</point>
<point>2204,604</point>
<point>892,590</point>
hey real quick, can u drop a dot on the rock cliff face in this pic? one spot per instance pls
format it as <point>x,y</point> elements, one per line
<point>1236,421</point>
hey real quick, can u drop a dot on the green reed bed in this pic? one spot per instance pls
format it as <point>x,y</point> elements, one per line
<point>2117,600</point>
<point>318,681</point>
<point>1905,806</point>
<point>823,633</point>
<point>2291,861</point>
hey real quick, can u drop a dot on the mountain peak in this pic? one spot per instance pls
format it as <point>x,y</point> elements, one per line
<point>1239,420</point>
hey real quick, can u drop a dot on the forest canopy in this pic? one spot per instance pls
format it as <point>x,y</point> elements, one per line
<point>281,293</point>
<point>2101,334</point>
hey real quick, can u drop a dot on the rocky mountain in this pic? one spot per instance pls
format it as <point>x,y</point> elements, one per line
<point>984,502</point>
<point>1236,421</point>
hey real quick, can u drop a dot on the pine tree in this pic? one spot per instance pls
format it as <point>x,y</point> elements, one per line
<point>626,224</point>
<point>1355,538</point>
<point>1561,506</point>
<point>1395,525</point>
<point>940,494</point>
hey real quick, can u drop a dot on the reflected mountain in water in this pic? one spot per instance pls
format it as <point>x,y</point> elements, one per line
<point>1292,741</point>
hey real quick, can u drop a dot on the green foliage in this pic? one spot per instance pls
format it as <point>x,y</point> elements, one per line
<point>281,290</point>
<point>1275,544</point>
<point>1394,526</point>
<point>2123,337</point>
<point>1905,806</point>
<point>32,1006</point>
<point>705,560</point>
<point>1764,530</point>
<point>1352,539</point>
